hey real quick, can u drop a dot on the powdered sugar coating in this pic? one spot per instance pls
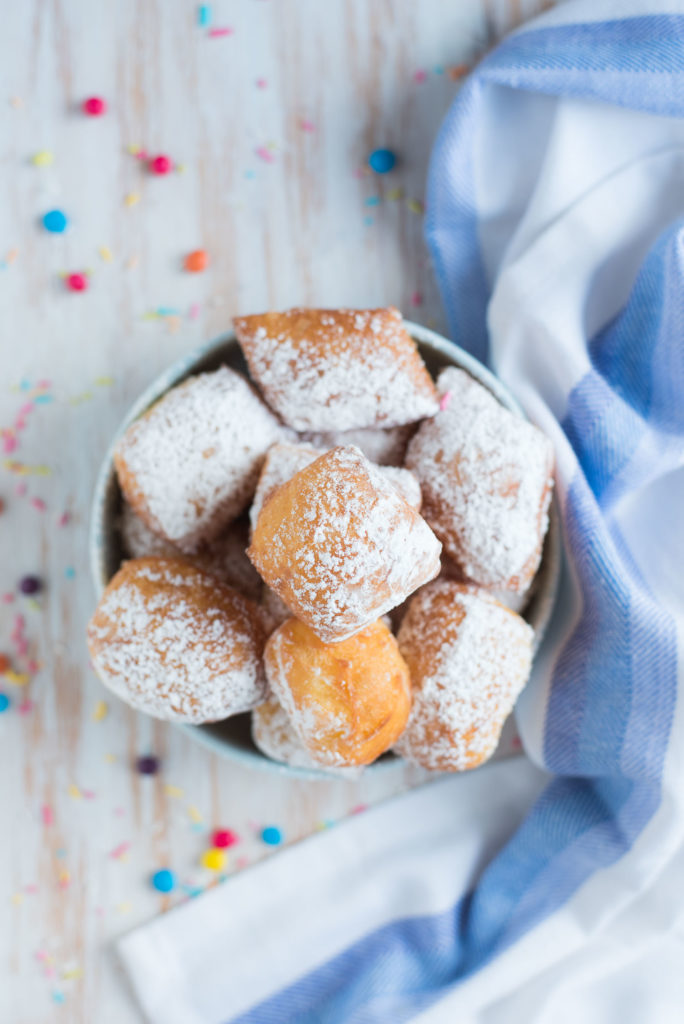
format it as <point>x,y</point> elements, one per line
<point>340,545</point>
<point>347,702</point>
<point>517,602</point>
<point>273,610</point>
<point>469,657</point>
<point>337,369</point>
<point>285,459</point>
<point>190,464</point>
<point>172,641</point>
<point>486,480</point>
<point>273,734</point>
<point>384,447</point>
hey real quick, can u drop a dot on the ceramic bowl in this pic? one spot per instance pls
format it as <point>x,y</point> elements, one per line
<point>231,738</point>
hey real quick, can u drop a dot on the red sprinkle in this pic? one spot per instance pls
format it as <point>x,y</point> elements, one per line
<point>223,838</point>
<point>39,504</point>
<point>77,282</point>
<point>95,106</point>
<point>160,164</point>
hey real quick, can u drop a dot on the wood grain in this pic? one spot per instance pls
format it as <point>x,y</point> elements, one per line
<point>341,78</point>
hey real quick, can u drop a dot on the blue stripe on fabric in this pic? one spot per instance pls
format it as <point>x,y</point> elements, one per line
<point>613,693</point>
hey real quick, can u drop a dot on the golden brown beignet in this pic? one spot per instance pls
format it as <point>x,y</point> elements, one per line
<point>340,545</point>
<point>469,657</point>
<point>337,369</point>
<point>348,702</point>
<point>173,641</point>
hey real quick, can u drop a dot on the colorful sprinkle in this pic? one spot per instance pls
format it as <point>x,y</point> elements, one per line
<point>43,158</point>
<point>131,199</point>
<point>213,860</point>
<point>306,126</point>
<point>382,160</point>
<point>415,205</point>
<point>265,154</point>
<point>160,164</point>
<point>74,792</point>
<point>164,880</point>
<point>222,838</point>
<point>94,106</point>
<point>416,299</point>
<point>5,664</point>
<point>196,261</point>
<point>105,253</point>
<point>69,573</point>
<point>30,585</point>
<point>195,815</point>
<point>271,835</point>
<point>203,15</point>
<point>101,711</point>
<point>372,201</point>
<point>55,221</point>
<point>444,400</point>
<point>17,678</point>
<point>218,33</point>
<point>261,83</point>
<point>4,702</point>
<point>120,851</point>
<point>39,504</point>
<point>458,71</point>
<point>173,791</point>
<point>148,764</point>
<point>76,282</point>
<point>420,76</point>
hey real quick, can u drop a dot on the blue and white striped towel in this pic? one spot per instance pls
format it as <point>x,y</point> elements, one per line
<point>556,223</point>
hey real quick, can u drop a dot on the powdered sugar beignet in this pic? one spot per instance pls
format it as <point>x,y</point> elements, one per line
<point>340,545</point>
<point>173,641</point>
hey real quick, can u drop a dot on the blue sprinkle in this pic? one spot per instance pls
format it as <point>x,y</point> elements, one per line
<point>25,385</point>
<point>43,399</point>
<point>368,221</point>
<point>204,15</point>
<point>167,311</point>
<point>4,702</point>
<point>70,572</point>
<point>55,221</point>
<point>382,160</point>
<point>272,836</point>
<point>58,997</point>
<point>372,201</point>
<point>250,174</point>
<point>439,70</point>
<point>164,880</point>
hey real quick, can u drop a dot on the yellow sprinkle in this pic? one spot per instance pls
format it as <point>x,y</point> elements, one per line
<point>104,382</point>
<point>133,149</point>
<point>395,193</point>
<point>173,791</point>
<point>415,206</point>
<point>194,814</point>
<point>180,168</point>
<point>78,399</point>
<point>105,253</point>
<point>124,908</point>
<point>213,859</point>
<point>43,158</point>
<point>75,972</point>
<point>101,711</point>
<point>110,758</point>
<point>64,878</point>
<point>16,678</point>
<point>132,199</point>
<point>74,791</point>
<point>42,471</point>
<point>18,898</point>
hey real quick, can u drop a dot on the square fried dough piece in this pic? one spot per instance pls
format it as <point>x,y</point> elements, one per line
<point>337,369</point>
<point>486,478</point>
<point>191,463</point>
<point>340,545</point>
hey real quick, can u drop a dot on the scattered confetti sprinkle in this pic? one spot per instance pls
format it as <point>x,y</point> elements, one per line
<point>420,76</point>
<point>105,253</point>
<point>194,311</point>
<point>58,997</point>
<point>30,584</point>
<point>394,194</point>
<point>74,791</point>
<point>77,282</point>
<point>359,809</point>
<point>101,711</point>
<point>164,880</point>
<point>195,814</point>
<point>160,165</point>
<point>265,154</point>
<point>94,106</point>
<point>5,702</point>
<point>104,382</point>
<point>213,860</point>
<point>458,71</point>
<point>368,221</point>
<point>148,764</point>
<point>306,125</point>
<point>173,791</point>
<point>372,201</point>
<point>17,678</point>
<point>416,299</point>
<point>222,838</point>
<point>218,33</point>
<point>43,158</point>
<point>5,664</point>
<point>119,852</point>
<point>271,835</point>
<point>64,879</point>
<point>25,707</point>
<point>382,160</point>
<point>261,83</point>
<point>69,573</point>
<point>55,221</point>
<point>204,15</point>
<point>132,199</point>
<point>196,261</point>
<point>444,400</point>
<point>39,504</point>
<point>415,205</point>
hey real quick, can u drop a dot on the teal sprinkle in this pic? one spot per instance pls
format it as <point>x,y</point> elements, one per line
<point>439,70</point>
<point>43,399</point>
<point>204,15</point>
<point>372,201</point>
<point>25,385</point>
<point>250,174</point>
<point>58,997</point>
<point>70,572</point>
<point>368,221</point>
<point>166,311</point>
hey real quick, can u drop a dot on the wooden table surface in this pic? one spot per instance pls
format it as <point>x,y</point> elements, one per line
<point>271,125</point>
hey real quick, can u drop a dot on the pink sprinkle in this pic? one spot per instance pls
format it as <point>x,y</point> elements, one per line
<point>194,311</point>
<point>64,519</point>
<point>420,76</point>
<point>359,809</point>
<point>19,624</point>
<point>88,794</point>
<point>7,598</point>
<point>216,33</point>
<point>33,666</point>
<point>9,443</point>
<point>265,154</point>
<point>26,707</point>
<point>44,385</point>
<point>417,299</point>
<point>47,815</point>
<point>20,489</point>
<point>120,850</point>
<point>20,423</point>
<point>42,955</point>
<point>307,126</point>
<point>31,888</point>
<point>444,401</point>
<point>39,504</point>
<point>261,83</point>
<point>141,154</point>
<point>26,409</point>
